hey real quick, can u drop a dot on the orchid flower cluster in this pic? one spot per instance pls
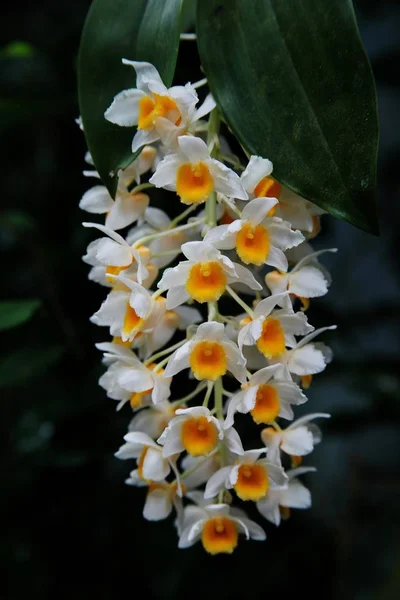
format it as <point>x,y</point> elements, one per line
<point>241,234</point>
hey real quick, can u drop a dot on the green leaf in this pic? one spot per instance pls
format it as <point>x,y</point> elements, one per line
<point>294,84</point>
<point>16,312</point>
<point>145,30</point>
<point>17,367</point>
<point>17,49</point>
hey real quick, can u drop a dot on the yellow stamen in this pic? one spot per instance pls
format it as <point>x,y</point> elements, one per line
<point>206,282</point>
<point>267,405</point>
<point>272,340</point>
<point>136,400</point>
<point>267,187</point>
<point>132,321</point>
<point>208,360</point>
<point>306,381</point>
<point>110,270</point>
<point>252,244</point>
<point>194,183</point>
<point>219,535</point>
<point>141,461</point>
<point>161,106</point>
<point>252,482</point>
<point>199,436</point>
<point>296,461</point>
<point>118,340</point>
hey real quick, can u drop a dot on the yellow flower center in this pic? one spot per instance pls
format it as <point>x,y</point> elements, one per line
<point>306,381</point>
<point>272,340</point>
<point>140,462</point>
<point>194,183</point>
<point>114,271</point>
<point>267,187</point>
<point>252,244</point>
<point>199,436</point>
<point>151,109</point>
<point>132,322</point>
<point>208,360</point>
<point>219,535</point>
<point>136,400</point>
<point>267,405</point>
<point>118,340</point>
<point>206,282</point>
<point>252,482</point>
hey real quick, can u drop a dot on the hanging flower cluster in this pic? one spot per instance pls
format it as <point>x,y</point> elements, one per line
<point>240,234</point>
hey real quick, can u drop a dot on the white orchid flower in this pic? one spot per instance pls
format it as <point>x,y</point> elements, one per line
<point>129,380</point>
<point>171,320</point>
<point>116,254</point>
<point>217,527</point>
<point>298,439</point>
<point>272,330</point>
<point>308,279</point>
<point>152,464</point>
<point>153,419</point>
<point>277,503</point>
<point>209,354</point>
<point>250,477</point>
<point>150,104</point>
<point>193,174</point>
<point>161,497</point>
<point>304,359</point>
<point>265,398</point>
<point>198,432</point>
<point>257,238</point>
<point>204,276</point>
<point>128,313</point>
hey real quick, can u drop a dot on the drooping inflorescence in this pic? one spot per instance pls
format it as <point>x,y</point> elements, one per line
<point>242,236</point>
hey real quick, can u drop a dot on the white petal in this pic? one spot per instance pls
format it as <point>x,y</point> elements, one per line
<point>157,218</point>
<point>200,251</point>
<point>232,441</point>
<point>269,508</point>
<point>281,234</point>
<point>158,505</point>
<point>145,73</point>
<point>124,109</point>
<point>112,253</point>
<point>193,148</point>
<point>165,174</point>
<point>97,200</point>
<point>126,210</point>
<point>296,496</point>
<point>296,323</point>
<point>207,106</point>
<point>265,307</point>
<point>307,360</point>
<point>263,375</point>
<point>226,181</point>
<point>175,276</point>
<point>155,467</point>
<point>220,237</point>
<point>211,330</point>
<point>308,282</point>
<point>297,442</point>
<point>216,483</point>
<point>256,169</point>
<point>277,259</point>
<point>144,137</point>
<point>236,362</point>
<point>245,276</point>
<point>255,530</point>
<point>176,296</point>
<point>314,334</point>
<point>257,210</point>
<point>179,360</point>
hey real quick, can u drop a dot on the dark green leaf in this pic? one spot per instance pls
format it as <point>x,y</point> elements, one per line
<point>16,312</point>
<point>294,84</point>
<point>137,30</point>
<point>16,368</point>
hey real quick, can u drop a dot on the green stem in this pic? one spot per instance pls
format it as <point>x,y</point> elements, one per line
<point>210,386</point>
<point>141,187</point>
<point>193,394</point>
<point>153,236</point>
<point>164,352</point>
<point>240,301</point>
<point>182,216</point>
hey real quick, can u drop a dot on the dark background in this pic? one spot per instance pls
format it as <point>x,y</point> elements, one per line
<point>71,528</point>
